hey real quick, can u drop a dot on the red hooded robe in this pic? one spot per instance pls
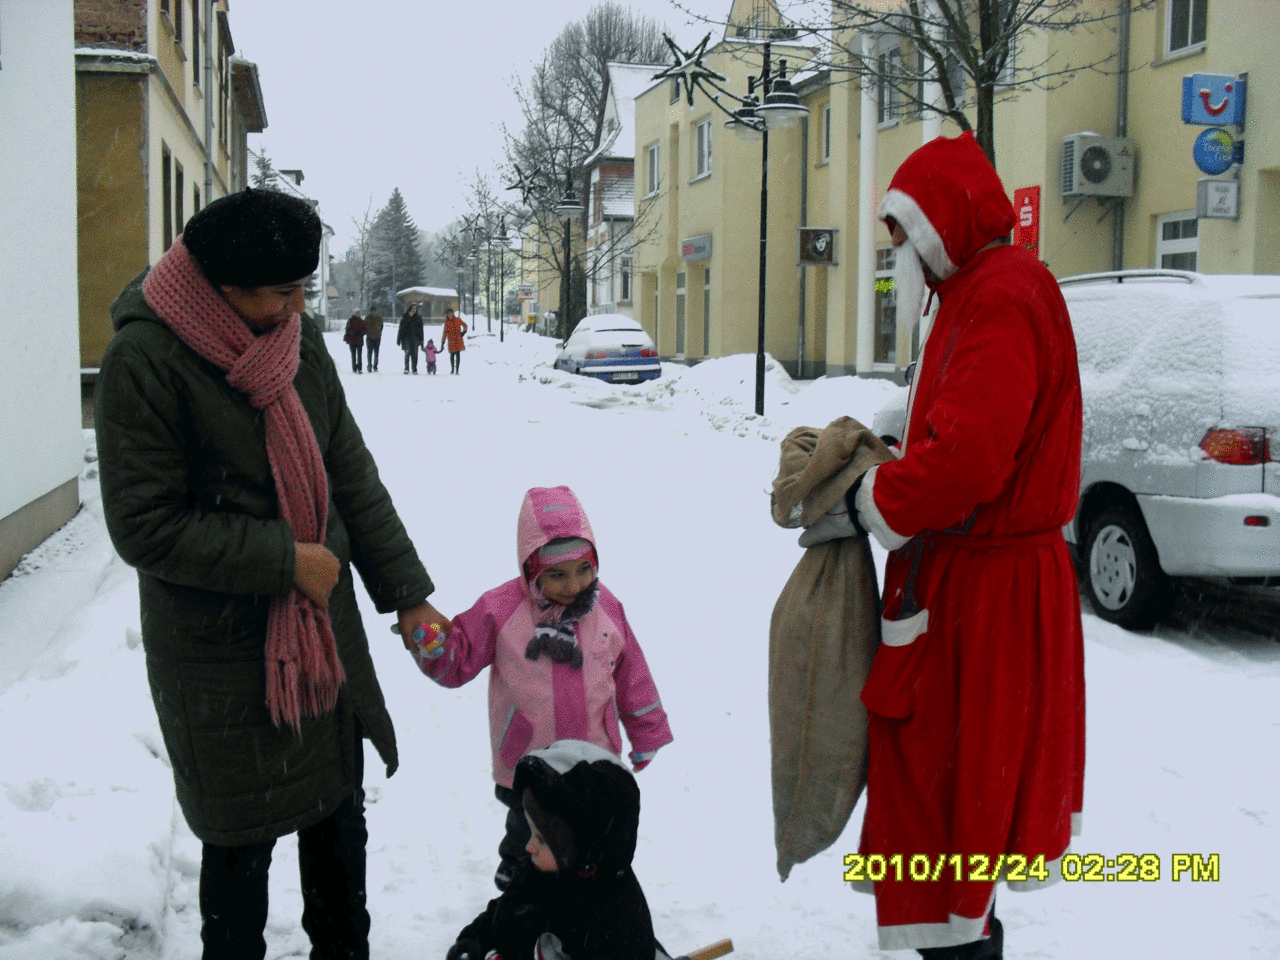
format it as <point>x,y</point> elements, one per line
<point>976,695</point>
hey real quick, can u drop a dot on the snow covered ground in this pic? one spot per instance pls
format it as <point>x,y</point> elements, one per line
<point>96,861</point>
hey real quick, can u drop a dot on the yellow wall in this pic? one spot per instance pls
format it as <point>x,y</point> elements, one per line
<point>111,196</point>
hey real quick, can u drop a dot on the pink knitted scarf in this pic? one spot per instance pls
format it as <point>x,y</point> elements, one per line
<point>303,669</point>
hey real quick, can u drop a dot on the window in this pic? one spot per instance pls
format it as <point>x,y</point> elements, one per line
<point>824,131</point>
<point>702,150</point>
<point>652,170</point>
<point>889,71</point>
<point>624,280</point>
<point>177,20</point>
<point>195,43</point>
<point>166,190</point>
<point>886,312</point>
<point>1178,241</point>
<point>179,194</point>
<point>675,89</point>
<point>1188,21</point>
<point>195,201</point>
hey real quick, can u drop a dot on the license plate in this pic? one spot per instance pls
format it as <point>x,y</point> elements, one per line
<point>626,376</point>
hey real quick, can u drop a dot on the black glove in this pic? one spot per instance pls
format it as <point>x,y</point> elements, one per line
<point>465,950</point>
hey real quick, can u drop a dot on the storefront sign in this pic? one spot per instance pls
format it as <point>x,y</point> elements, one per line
<point>696,248</point>
<point>1026,226</point>
<point>1218,199</point>
<point>1213,99</point>
<point>817,247</point>
<point>1214,151</point>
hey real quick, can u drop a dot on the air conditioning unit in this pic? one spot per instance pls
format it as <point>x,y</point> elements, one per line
<point>1097,166</point>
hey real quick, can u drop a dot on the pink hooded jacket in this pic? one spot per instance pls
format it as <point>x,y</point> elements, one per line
<point>533,703</point>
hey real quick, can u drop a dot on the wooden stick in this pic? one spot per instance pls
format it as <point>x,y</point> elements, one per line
<point>718,949</point>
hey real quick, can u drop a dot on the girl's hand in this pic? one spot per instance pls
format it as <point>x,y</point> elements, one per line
<point>315,572</point>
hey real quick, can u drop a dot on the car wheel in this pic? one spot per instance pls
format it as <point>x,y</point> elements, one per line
<point>1122,574</point>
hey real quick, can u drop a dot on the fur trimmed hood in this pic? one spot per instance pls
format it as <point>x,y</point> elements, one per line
<point>949,200</point>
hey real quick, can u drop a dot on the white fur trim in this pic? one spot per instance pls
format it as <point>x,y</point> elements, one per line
<point>870,517</point>
<point>903,633</point>
<point>562,755</point>
<point>903,208</point>
<point>957,930</point>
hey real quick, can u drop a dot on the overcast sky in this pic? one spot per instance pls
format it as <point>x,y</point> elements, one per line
<point>368,96</point>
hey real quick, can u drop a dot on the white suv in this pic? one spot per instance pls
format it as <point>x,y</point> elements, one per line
<point>1181,380</point>
<point>1180,374</point>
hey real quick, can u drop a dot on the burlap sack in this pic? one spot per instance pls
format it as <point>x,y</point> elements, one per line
<point>822,638</point>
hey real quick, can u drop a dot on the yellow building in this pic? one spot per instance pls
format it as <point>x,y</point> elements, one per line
<point>163,112</point>
<point>698,186</point>
<point>696,276</point>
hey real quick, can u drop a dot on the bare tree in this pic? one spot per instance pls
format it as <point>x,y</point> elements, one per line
<point>968,50</point>
<point>562,106</point>
<point>363,247</point>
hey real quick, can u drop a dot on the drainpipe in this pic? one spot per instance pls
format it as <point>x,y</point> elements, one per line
<point>1122,128</point>
<point>208,99</point>
<point>804,222</point>
<point>866,343</point>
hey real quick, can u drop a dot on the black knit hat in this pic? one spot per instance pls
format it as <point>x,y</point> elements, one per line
<point>255,238</point>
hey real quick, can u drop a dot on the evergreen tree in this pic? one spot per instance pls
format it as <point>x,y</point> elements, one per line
<point>395,258</point>
<point>264,174</point>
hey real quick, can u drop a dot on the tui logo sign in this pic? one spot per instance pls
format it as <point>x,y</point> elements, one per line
<point>1213,100</point>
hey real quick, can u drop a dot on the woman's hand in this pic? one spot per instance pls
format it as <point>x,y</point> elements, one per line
<point>422,613</point>
<point>315,572</point>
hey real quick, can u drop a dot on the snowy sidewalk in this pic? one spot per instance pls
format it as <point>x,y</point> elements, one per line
<point>96,864</point>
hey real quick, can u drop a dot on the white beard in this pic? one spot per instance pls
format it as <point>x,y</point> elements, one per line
<point>908,284</point>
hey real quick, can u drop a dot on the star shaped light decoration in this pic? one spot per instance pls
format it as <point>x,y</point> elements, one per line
<point>689,67</point>
<point>526,183</point>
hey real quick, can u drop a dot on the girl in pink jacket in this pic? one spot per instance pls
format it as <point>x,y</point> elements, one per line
<point>565,664</point>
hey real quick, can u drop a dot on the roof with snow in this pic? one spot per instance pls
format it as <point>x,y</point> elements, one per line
<point>428,291</point>
<point>617,136</point>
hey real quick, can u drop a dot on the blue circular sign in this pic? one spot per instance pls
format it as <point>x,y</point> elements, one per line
<point>1214,151</point>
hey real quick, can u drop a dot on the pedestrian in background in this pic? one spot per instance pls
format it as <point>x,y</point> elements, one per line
<point>410,337</point>
<point>355,339</point>
<point>243,497</point>
<point>430,351</point>
<point>373,338</point>
<point>452,335</point>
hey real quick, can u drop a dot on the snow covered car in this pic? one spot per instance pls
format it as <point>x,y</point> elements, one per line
<point>1180,374</point>
<point>611,347</point>
<point>1181,380</point>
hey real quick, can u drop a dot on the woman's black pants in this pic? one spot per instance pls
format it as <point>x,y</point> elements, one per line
<point>331,860</point>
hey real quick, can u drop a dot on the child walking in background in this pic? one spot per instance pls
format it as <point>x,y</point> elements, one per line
<point>565,664</point>
<point>430,350</point>
<point>577,896</point>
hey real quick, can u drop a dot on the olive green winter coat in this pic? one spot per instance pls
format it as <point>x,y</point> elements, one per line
<point>190,501</point>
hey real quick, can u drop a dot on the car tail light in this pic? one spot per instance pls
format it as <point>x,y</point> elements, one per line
<point>595,354</point>
<point>1242,445</point>
<point>647,352</point>
<point>1254,520</point>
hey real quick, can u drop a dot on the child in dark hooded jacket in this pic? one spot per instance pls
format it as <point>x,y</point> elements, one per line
<point>577,898</point>
<point>563,661</point>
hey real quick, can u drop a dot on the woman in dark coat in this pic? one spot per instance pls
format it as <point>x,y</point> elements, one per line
<point>237,483</point>
<point>410,337</point>
<point>355,340</point>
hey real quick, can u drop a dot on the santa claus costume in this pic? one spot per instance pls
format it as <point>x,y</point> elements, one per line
<point>976,695</point>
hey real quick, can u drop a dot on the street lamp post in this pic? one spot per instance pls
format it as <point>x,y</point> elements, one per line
<point>502,240</point>
<point>566,210</point>
<point>752,120</point>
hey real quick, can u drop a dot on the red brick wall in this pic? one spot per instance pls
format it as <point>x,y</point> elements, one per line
<point>112,24</point>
